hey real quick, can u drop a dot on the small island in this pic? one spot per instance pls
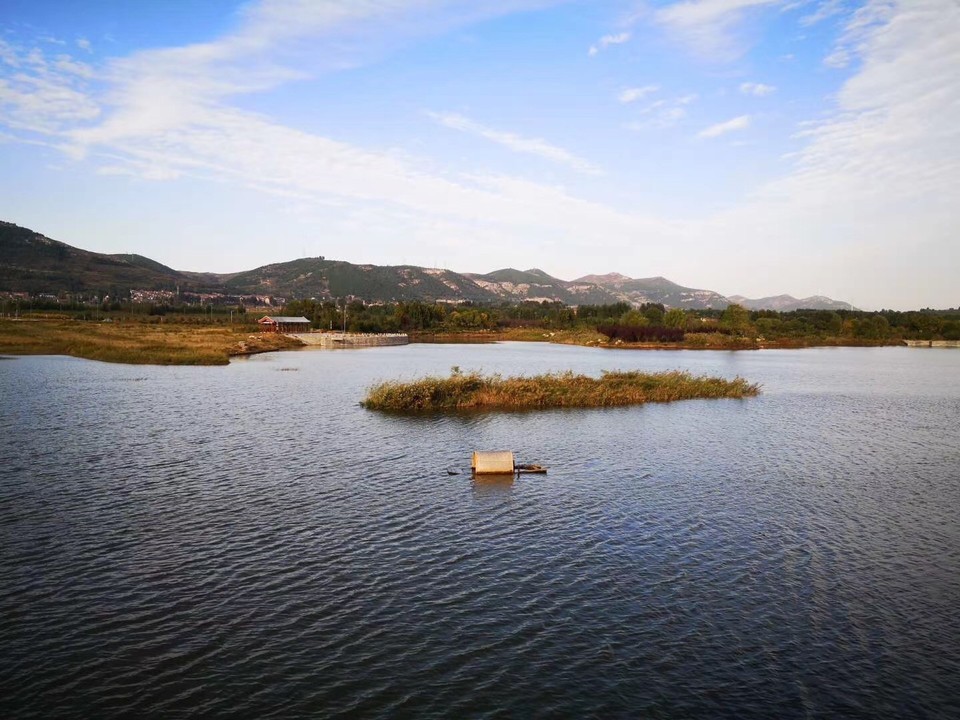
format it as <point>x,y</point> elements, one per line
<point>474,391</point>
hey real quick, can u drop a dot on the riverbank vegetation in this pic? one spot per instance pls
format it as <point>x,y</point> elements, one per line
<point>651,324</point>
<point>210,334</point>
<point>136,342</point>
<point>473,391</point>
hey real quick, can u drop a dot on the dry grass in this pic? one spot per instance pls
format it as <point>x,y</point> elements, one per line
<point>554,390</point>
<point>135,343</point>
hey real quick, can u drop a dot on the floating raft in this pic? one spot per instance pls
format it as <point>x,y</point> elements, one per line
<point>531,468</point>
<point>500,462</point>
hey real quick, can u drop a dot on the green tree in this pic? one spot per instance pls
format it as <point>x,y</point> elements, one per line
<point>634,318</point>
<point>769,327</point>
<point>653,312</point>
<point>675,318</point>
<point>736,319</point>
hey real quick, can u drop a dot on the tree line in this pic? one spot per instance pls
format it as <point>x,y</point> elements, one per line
<point>621,320</point>
<point>649,322</point>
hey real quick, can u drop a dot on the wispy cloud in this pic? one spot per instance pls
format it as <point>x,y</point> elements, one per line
<point>756,89</point>
<point>663,114</point>
<point>825,10</point>
<point>876,181</point>
<point>707,26</point>
<point>630,95</point>
<point>169,113</point>
<point>881,166</point>
<point>862,24</point>
<point>517,143</point>
<point>44,95</point>
<point>738,123</point>
<point>608,40</point>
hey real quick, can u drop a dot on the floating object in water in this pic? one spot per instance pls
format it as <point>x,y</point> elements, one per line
<point>531,468</point>
<point>452,471</point>
<point>500,463</point>
<point>492,463</point>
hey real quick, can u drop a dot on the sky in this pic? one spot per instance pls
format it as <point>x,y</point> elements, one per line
<point>751,147</point>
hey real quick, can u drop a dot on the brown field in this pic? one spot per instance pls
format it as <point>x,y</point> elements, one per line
<point>136,343</point>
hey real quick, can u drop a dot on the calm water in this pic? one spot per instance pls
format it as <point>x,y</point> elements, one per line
<point>246,541</point>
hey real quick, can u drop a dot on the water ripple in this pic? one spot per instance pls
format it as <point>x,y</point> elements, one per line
<point>243,542</point>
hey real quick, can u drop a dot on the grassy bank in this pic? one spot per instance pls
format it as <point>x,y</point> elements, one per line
<point>554,390</point>
<point>136,343</point>
<point>589,337</point>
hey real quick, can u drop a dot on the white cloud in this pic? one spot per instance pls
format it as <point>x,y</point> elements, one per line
<point>738,123</point>
<point>517,143</point>
<point>67,64</point>
<point>757,89</point>
<point>706,13</point>
<point>84,44</point>
<point>872,205</point>
<point>629,95</point>
<point>866,20</point>
<point>608,40</point>
<point>45,97</point>
<point>663,114</point>
<point>665,118</point>
<point>825,10</point>
<point>872,196</point>
<point>9,55</point>
<point>167,114</point>
<point>707,26</point>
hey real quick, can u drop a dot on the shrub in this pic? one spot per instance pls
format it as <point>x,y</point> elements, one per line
<point>642,333</point>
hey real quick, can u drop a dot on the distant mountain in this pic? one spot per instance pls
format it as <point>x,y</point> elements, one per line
<point>33,263</point>
<point>656,290</point>
<point>321,278</point>
<point>786,303</point>
<point>535,285</point>
<point>607,279</point>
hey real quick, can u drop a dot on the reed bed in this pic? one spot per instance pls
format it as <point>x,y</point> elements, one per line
<point>474,391</point>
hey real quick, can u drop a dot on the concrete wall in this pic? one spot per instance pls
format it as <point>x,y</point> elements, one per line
<point>351,340</point>
<point>933,343</point>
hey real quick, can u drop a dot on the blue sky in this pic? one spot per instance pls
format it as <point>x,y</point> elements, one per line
<point>750,147</point>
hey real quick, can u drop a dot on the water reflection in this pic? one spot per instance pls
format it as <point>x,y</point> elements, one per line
<point>492,484</point>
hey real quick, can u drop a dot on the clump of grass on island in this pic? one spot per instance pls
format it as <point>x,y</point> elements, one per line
<point>474,391</point>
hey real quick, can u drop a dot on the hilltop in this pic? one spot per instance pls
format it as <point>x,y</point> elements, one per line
<point>786,303</point>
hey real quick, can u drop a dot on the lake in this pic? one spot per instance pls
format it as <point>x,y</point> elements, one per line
<point>246,541</point>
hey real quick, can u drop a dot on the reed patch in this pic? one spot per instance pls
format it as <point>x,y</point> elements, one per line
<point>475,391</point>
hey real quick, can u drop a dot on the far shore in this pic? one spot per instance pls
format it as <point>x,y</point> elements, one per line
<point>694,341</point>
<point>172,343</point>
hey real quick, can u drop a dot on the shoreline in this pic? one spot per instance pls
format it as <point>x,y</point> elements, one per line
<point>137,343</point>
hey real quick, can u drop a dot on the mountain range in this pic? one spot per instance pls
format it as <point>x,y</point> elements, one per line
<point>33,263</point>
